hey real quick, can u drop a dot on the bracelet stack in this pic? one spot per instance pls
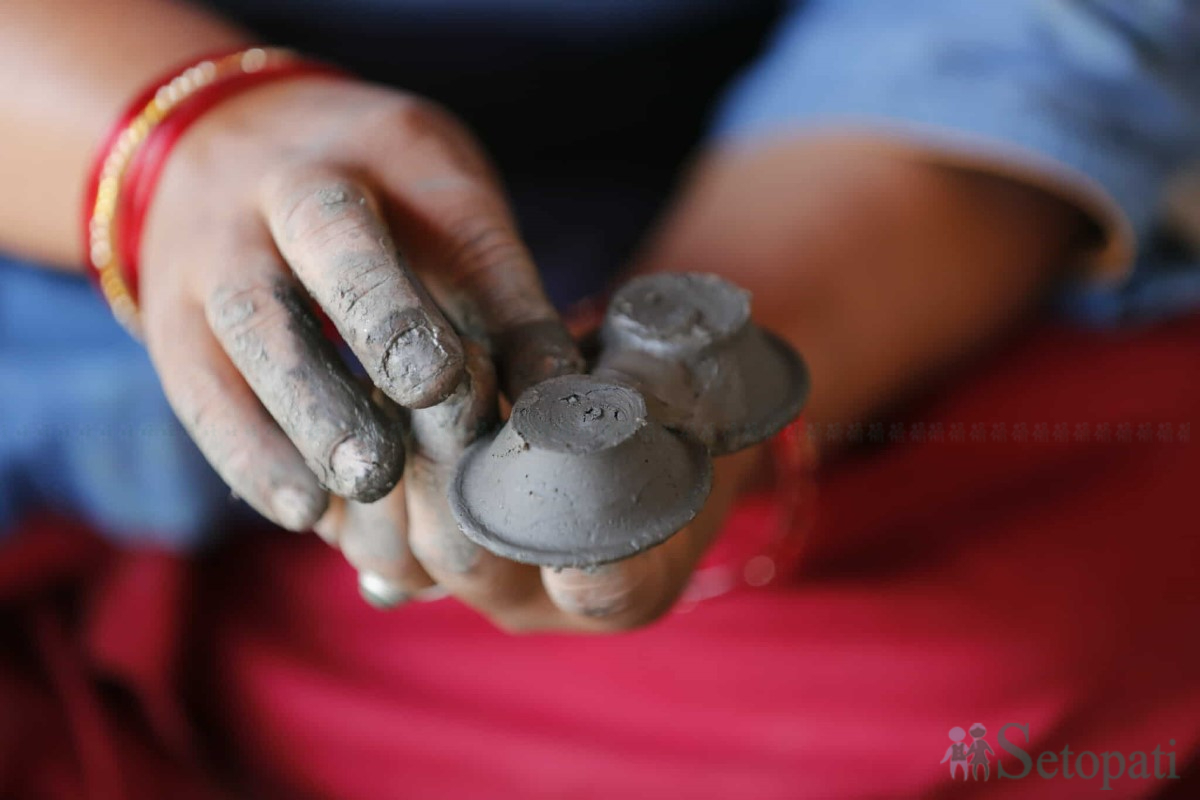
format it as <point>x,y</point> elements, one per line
<point>131,159</point>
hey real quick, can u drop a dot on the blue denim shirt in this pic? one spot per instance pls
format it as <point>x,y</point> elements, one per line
<point>1094,98</point>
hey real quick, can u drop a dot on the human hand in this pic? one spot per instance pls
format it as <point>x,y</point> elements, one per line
<point>871,218</point>
<point>380,208</point>
<point>410,541</point>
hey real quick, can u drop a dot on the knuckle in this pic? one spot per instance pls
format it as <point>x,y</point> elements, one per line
<point>312,202</point>
<point>433,130</point>
<point>241,307</point>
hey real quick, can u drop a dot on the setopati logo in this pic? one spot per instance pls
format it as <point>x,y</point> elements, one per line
<point>970,757</point>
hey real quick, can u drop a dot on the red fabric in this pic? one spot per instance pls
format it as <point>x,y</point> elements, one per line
<point>1051,583</point>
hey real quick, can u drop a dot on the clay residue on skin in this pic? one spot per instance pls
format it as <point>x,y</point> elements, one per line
<point>336,241</point>
<point>389,319</point>
<point>345,439</point>
<point>332,198</point>
<point>597,592</point>
<point>440,433</point>
<point>440,544</point>
<point>438,437</point>
<point>267,477</point>
<point>535,351</point>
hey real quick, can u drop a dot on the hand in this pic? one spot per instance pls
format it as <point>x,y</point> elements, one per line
<point>856,254</point>
<point>409,541</point>
<point>378,207</point>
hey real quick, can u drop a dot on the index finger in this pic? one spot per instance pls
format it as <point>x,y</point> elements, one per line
<point>328,227</point>
<point>449,208</point>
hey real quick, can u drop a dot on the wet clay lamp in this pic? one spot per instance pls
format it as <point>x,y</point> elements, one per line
<point>580,475</point>
<point>686,341</point>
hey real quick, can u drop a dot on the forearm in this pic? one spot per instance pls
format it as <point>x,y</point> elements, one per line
<point>67,67</point>
<point>883,271</point>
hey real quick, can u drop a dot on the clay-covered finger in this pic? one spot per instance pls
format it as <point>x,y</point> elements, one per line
<point>632,592</point>
<point>263,322</point>
<point>231,428</point>
<point>374,539</point>
<point>453,214</point>
<point>438,437</point>
<point>328,228</point>
<point>620,595</point>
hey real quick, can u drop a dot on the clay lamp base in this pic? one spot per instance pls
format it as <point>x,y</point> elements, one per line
<point>579,476</point>
<point>685,340</point>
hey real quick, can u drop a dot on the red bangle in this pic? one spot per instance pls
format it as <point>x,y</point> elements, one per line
<point>145,170</point>
<point>135,107</point>
<point>127,167</point>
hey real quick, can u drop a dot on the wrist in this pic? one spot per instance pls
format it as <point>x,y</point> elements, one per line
<point>129,163</point>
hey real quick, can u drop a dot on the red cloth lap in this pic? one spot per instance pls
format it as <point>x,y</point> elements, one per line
<point>1009,573</point>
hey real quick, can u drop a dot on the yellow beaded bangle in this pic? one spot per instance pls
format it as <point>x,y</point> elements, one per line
<point>145,115</point>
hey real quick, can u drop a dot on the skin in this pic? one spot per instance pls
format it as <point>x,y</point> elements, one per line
<point>886,269</point>
<point>955,261</point>
<point>373,205</point>
<point>373,208</point>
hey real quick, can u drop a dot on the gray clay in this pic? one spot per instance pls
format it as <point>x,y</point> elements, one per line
<point>579,476</point>
<point>687,342</point>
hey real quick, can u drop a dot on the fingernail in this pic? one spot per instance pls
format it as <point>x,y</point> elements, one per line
<point>422,368</point>
<point>294,508</point>
<point>379,592</point>
<point>353,462</point>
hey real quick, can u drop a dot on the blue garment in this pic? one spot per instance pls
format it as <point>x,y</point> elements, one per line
<point>1103,95</point>
<point>590,108</point>
<point>84,426</point>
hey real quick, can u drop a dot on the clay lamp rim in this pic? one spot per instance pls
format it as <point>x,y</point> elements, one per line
<point>629,326</point>
<point>775,420</point>
<point>575,552</point>
<point>653,534</point>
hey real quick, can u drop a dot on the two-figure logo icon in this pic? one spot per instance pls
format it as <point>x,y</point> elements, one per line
<point>979,751</point>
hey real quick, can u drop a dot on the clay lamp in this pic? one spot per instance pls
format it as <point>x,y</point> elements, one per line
<point>579,476</point>
<point>686,342</point>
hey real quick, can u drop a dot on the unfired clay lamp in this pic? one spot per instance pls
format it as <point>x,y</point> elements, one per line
<point>579,476</point>
<point>685,340</point>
